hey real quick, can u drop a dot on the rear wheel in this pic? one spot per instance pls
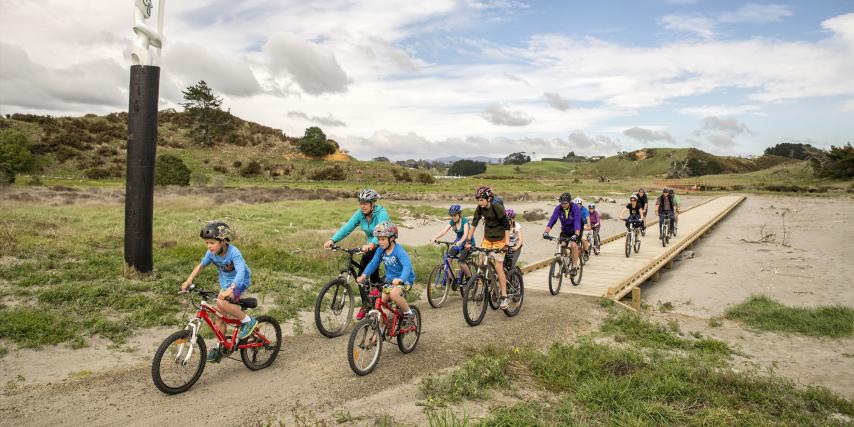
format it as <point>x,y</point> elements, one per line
<point>664,234</point>
<point>474,300</point>
<point>555,276</point>
<point>628,244</point>
<point>256,358</point>
<point>596,243</point>
<point>637,241</point>
<point>407,341</point>
<point>333,310</point>
<point>438,286</point>
<point>178,363</point>
<point>494,298</point>
<point>576,278</point>
<point>515,292</point>
<point>365,346</point>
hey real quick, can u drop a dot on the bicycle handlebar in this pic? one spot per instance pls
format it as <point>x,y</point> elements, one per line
<point>440,242</point>
<point>562,239</point>
<point>349,251</point>
<point>207,295</point>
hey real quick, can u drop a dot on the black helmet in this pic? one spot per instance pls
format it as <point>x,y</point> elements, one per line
<point>566,197</point>
<point>216,230</point>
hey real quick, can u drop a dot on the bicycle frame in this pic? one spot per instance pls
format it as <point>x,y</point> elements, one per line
<point>230,345</point>
<point>379,312</point>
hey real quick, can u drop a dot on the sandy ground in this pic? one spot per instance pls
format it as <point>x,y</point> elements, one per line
<point>103,386</point>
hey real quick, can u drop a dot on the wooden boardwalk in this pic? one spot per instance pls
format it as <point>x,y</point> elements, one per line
<point>612,275</point>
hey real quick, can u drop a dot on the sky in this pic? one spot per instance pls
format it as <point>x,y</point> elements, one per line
<point>405,79</point>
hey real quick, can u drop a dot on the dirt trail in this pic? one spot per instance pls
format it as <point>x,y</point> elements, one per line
<point>311,374</point>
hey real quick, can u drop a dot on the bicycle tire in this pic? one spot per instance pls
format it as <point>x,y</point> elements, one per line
<point>598,243</point>
<point>164,348</point>
<point>664,234</point>
<point>408,348</point>
<point>575,279</point>
<point>475,296</point>
<point>438,281</point>
<point>494,298</point>
<point>320,308</point>
<point>637,242</point>
<point>370,326</point>
<point>249,356</point>
<point>555,281</point>
<point>516,284</point>
<point>628,244</point>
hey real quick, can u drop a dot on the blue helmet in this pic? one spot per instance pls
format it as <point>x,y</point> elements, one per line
<point>455,209</point>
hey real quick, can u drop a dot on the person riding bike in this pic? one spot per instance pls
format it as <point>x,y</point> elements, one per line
<point>461,226</point>
<point>234,279</point>
<point>664,205</point>
<point>675,210</point>
<point>516,239</point>
<point>632,212</point>
<point>585,222</point>
<point>569,215</point>
<point>643,201</point>
<point>398,268</point>
<point>369,215</point>
<point>595,221</point>
<point>496,234</point>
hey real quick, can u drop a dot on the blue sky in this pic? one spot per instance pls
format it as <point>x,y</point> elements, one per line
<point>455,77</point>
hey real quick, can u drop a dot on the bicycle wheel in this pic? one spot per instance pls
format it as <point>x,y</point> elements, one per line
<point>637,242</point>
<point>515,292</point>
<point>365,346</point>
<point>664,235</point>
<point>256,358</point>
<point>407,341</point>
<point>628,244</point>
<point>597,243</point>
<point>555,276</point>
<point>583,255</point>
<point>333,310</point>
<point>438,286</point>
<point>172,374</point>
<point>492,290</point>
<point>576,278</point>
<point>474,300</point>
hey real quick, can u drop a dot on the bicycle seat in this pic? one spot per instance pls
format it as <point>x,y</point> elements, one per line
<point>245,303</point>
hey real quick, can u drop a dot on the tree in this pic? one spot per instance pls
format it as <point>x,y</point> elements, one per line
<point>15,155</point>
<point>171,170</point>
<point>211,122</point>
<point>792,150</point>
<point>517,159</point>
<point>467,168</point>
<point>382,159</point>
<point>315,144</point>
<point>838,162</point>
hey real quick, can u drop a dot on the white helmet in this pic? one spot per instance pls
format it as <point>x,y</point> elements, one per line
<point>368,195</point>
<point>578,201</point>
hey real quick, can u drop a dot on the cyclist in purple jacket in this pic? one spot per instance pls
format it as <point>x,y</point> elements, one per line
<point>569,215</point>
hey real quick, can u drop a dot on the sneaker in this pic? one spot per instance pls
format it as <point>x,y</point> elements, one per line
<point>408,318</point>
<point>247,328</point>
<point>361,314</point>
<point>504,303</point>
<point>214,355</point>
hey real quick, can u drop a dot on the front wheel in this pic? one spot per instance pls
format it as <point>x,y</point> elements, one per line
<point>597,244</point>
<point>664,235</point>
<point>178,363</point>
<point>474,300</point>
<point>406,341</point>
<point>637,242</point>
<point>515,292</point>
<point>438,285</point>
<point>555,276</point>
<point>365,346</point>
<point>333,310</point>
<point>268,337</point>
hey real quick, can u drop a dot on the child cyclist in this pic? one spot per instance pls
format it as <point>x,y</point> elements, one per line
<point>496,234</point>
<point>398,268</point>
<point>516,240</point>
<point>234,278</point>
<point>594,223</point>
<point>460,225</point>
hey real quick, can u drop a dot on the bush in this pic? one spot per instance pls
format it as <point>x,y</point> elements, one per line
<point>35,180</point>
<point>16,154</point>
<point>253,168</point>
<point>426,178</point>
<point>171,170</point>
<point>315,144</point>
<point>103,172</point>
<point>220,169</point>
<point>332,173</point>
<point>838,162</point>
<point>401,175</point>
<point>200,179</point>
<point>467,168</point>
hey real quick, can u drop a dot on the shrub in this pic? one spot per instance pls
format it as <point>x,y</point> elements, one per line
<point>200,179</point>
<point>401,175</point>
<point>15,154</point>
<point>237,163</point>
<point>171,170</point>
<point>315,144</point>
<point>467,168</point>
<point>426,178</point>
<point>332,173</point>
<point>220,169</point>
<point>103,172</point>
<point>253,168</point>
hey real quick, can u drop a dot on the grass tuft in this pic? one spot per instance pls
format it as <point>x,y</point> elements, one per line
<point>763,313</point>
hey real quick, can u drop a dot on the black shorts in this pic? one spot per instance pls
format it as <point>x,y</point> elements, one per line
<point>461,251</point>
<point>566,236</point>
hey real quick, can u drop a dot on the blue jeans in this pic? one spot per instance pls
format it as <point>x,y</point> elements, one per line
<point>664,216</point>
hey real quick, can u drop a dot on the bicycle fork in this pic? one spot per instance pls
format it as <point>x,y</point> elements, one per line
<point>193,326</point>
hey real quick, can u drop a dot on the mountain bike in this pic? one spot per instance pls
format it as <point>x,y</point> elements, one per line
<point>562,265</point>
<point>180,359</point>
<point>443,278</point>
<point>366,340</point>
<point>584,254</point>
<point>333,309</point>
<point>666,230</point>
<point>483,286</point>
<point>633,238</point>
<point>593,235</point>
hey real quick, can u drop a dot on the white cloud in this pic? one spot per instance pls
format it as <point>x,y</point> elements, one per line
<point>499,115</point>
<point>313,68</point>
<point>721,141</point>
<point>719,110</point>
<point>705,24</point>
<point>756,13</point>
<point>696,24</point>
<point>593,146</point>
<point>727,125</point>
<point>648,135</point>
<point>329,120</point>
<point>556,101</point>
<point>222,70</point>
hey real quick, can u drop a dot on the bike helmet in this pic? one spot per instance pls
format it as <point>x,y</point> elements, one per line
<point>577,201</point>
<point>665,190</point>
<point>633,196</point>
<point>368,196</point>
<point>483,193</point>
<point>216,230</point>
<point>385,229</point>
<point>510,213</point>
<point>641,190</point>
<point>565,197</point>
<point>591,206</point>
<point>455,209</point>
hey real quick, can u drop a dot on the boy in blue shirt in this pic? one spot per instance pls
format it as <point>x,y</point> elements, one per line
<point>234,278</point>
<point>460,225</point>
<point>398,267</point>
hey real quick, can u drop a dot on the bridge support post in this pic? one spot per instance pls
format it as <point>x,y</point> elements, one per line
<point>668,266</point>
<point>655,277</point>
<point>636,299</point>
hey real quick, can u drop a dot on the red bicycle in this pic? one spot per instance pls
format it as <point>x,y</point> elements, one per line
<point>180,359</point>
<point>366,340</point>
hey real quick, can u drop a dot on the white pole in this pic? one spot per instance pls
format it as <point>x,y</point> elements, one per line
<point>160,15</point>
